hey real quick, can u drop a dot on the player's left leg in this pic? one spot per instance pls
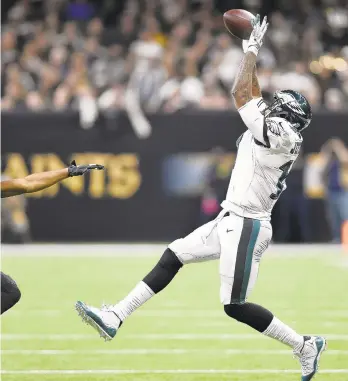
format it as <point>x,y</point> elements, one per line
<point>243,242</point>
<point>10,293</point>
<point>201,245</point>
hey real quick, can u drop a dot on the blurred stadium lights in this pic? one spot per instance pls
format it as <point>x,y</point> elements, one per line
<point>328,62</point>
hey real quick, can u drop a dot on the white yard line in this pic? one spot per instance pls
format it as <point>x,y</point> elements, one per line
<point>214,336</point>
<point>144,351</point>
<point>167,371</point>
<point>184,313</point>
<point>219,313</point>
<point>144,250</point>
<point>174,336</point>
<point>83,250</point>
<point>227,323</point>
<point>51,313</point>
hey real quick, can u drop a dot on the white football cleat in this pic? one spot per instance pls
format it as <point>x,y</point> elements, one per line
<point>102,320</point>
<point>309,356</point>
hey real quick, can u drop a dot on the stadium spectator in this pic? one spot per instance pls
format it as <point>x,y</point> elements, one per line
<point>336,173</point>
<point>217,180</point>
<point>51,49</point>
<point>292,218</point>
<point>79,10</point>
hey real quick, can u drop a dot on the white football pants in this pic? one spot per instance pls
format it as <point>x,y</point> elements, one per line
<point>239,242</point>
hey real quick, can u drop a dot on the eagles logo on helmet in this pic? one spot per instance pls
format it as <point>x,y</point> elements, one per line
<point>293,107</point>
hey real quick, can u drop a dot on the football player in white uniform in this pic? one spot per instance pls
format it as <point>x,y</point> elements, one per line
<point>242,231</point>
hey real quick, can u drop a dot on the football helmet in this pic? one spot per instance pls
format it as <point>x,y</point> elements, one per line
<point>292,106</point>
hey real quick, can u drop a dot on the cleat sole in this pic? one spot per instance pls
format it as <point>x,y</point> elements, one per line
<point>323,349</point>
<point>82,312</point>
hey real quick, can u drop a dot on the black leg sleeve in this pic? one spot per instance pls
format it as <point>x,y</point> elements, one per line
<point>163,273</point>
<point>10,293</point>
<point>251,314</point>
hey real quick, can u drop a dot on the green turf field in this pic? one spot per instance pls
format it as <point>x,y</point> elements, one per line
<point>182,334</point>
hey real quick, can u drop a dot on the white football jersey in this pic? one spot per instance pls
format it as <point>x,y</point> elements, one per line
<point>266,153</point>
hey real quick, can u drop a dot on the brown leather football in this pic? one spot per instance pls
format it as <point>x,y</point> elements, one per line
<point>238,23</point>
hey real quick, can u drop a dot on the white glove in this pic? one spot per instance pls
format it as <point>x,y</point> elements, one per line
<point>245,45</point>
<point>256,37</point>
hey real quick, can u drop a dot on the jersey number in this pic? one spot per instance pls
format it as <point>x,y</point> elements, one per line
<point>285,168</point>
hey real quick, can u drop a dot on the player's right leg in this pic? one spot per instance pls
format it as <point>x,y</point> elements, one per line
<point>201,245</point>
<point>10,293</point>
<point>243,242</point>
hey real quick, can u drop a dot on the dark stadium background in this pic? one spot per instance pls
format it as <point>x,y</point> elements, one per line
<point>143,87</point>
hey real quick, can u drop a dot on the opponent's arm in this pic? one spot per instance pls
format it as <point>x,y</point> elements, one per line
<point>246,83</point>
<point>43,180</point>
<point>32,183</point>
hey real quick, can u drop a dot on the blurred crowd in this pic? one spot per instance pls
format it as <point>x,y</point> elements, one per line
<point>165,55</point>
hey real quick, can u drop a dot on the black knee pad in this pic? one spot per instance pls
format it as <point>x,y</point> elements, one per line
<point>170,261</point>
<point>164,271</point>
<point>251,314</point>
<point>235,311</point>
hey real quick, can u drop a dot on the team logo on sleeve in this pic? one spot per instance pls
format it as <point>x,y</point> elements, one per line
<point>274,127</point>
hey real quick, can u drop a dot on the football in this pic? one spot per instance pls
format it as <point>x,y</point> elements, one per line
<point>238,23</point>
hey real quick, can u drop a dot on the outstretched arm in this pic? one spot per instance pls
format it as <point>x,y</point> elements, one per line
<point>32,183</point>
<point>243,84</point>
<point>246,86</point>
<point>43,180</point>
<point>255,87</point>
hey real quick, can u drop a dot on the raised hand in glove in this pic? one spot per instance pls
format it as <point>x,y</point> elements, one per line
<point>79,170</point>
<point>256,37</point>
